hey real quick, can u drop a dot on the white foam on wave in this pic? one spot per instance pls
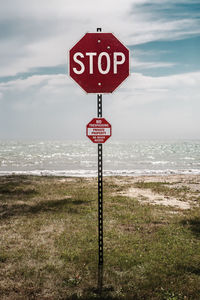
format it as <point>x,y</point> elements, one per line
<point>93,173</point>
<point>68,173</point>
<point>160,162</point>
<point>150,172</point>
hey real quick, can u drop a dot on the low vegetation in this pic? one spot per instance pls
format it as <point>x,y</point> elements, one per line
<point>49,248</point>
<point>164,188</point>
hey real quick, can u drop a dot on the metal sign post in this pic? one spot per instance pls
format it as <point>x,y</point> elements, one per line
<point>99,130</point>
<point>100,201</point>
<point>100,186</point>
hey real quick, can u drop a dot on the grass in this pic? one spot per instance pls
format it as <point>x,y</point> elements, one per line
<point>49,244</point>
<point>164,188</point>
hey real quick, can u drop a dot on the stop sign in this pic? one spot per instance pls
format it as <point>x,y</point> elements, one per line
<point>98,130</point>
<point>99,62</point>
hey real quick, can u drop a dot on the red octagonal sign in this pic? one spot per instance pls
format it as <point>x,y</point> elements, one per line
<point>99,62</point>
<point>98,130</point>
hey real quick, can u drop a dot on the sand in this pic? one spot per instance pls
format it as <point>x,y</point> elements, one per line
<point>187,199</point>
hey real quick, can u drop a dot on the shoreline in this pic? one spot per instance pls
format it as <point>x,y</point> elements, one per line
<point>106,173</point>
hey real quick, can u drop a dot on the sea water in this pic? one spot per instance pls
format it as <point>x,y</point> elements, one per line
<point>79,158</point>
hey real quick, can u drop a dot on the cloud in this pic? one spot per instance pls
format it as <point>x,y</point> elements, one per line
<point>157,108</point>
<point>179,81</point>
<point>149,65</point>
<point>53,106</point>
<point>52,86</point>
<point>40,33</point>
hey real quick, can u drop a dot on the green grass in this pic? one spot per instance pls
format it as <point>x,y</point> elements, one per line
<point>49,246</point>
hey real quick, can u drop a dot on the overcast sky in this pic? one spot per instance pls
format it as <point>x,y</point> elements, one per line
<point>161,98</point>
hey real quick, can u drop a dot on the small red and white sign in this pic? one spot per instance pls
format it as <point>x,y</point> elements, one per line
<point>98,130</point>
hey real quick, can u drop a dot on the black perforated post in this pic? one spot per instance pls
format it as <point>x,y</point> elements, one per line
<point>100,186</point>
<point>99,106</point>
<point>100,198</point>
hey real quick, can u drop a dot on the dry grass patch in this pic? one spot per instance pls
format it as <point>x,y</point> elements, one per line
<point>175,191</point>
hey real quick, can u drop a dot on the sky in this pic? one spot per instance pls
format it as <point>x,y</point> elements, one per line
<point>159,100</point>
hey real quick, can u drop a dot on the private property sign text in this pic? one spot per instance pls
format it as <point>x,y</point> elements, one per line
<point>98,130</point>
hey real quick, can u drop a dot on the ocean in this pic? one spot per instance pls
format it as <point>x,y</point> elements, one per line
<point>79,158</point>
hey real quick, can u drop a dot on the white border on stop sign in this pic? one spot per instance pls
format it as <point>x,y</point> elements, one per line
<point>68,63</point>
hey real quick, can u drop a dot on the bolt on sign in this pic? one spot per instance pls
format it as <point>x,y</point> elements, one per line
<point>98,130</point>
<point>99,62</point>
